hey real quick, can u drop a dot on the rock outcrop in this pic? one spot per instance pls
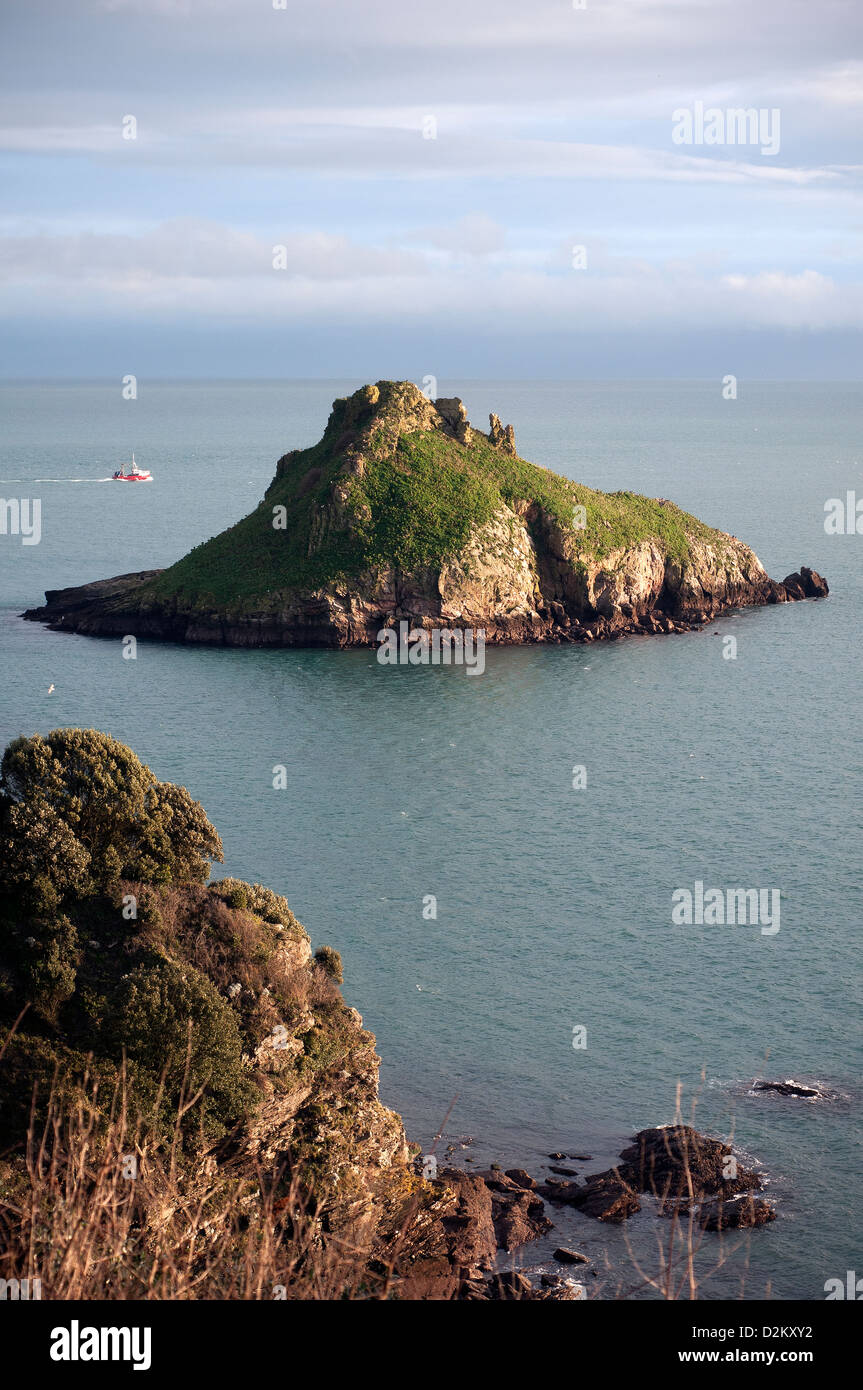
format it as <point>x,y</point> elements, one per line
<point>500,438</point>
<point>403,511</point>
<point>605,1197</point>
<point>789,1088</point>
<point>518,1214</point>
<point>686,1172</point>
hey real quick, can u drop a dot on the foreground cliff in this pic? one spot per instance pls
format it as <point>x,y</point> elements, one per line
<point>189,1108</point>
<point>404,511</point>
<point>181,1042</point>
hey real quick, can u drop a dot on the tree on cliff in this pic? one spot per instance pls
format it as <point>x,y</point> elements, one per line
<point>160,1014</point>
<point>79,811</point>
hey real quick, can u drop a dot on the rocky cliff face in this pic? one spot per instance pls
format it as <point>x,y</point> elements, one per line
<point>189,1107</point>
<point>404,511</point>
<point>177,1069</point>
<point>284,1129</point>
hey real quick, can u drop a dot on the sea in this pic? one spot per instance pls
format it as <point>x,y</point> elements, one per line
<point>505,922</point>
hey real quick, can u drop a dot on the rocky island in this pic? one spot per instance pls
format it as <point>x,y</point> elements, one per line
<point>405,511</point>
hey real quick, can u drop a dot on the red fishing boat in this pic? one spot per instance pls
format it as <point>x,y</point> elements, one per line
<point>131,473</point>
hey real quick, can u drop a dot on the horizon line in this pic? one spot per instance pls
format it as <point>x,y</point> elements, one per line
<point>446,377</point>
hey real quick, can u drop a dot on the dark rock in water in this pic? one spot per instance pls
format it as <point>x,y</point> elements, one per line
<point>521,1178</point>
<point>570,1257</point>
<point>557,1157</point>
<point>734,1213</point>
<point>675,1161</point>
<point>805,583</point>
<point>793,586</point>
<point>497,1181</point>
<point>564,1292</point>
<point>788,1088</point>
<point>583,1158</point>
<point>606,1197</point>
<point>680,1167</point>
<point>513,1286</point>
<point>518,1213</point>
<point>555,1189</point>
<point>519,1220</point>
<point>564,1172</point>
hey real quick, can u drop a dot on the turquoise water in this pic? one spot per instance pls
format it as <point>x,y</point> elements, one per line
<point>553,904</point>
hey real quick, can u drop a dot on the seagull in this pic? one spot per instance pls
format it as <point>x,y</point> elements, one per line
<point>51,688</point>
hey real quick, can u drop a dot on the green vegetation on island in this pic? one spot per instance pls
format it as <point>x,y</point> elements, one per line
<point>417,499</point>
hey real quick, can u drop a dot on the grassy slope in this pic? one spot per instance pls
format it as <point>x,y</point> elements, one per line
<point>415,508</point>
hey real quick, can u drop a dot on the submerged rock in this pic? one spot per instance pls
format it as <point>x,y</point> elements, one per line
<point>788,1088</point>
<point>734,1213</point>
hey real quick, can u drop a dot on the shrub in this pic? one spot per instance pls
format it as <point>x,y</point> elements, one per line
<point>173,1021</point>
<point>236,895</point>
<point>48,963</point>
<point>330,962</point>
<point>78,810</point>
<point>254,897</point>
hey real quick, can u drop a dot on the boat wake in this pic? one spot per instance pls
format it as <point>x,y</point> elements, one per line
<point>4,481</point>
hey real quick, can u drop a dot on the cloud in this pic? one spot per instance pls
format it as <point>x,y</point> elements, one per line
<point>191,249</point>
<point>208,272</point>
<point>304,128</point>
<point>808,300</point>
<point>841,85</point>
<point>375,148</point>
<point>472,235</point>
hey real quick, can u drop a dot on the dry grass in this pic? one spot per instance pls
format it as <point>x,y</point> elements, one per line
<point>105,1213</point>
<point>100,1210</point>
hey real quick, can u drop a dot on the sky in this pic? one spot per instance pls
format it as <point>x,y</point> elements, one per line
<point>463,188</point>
